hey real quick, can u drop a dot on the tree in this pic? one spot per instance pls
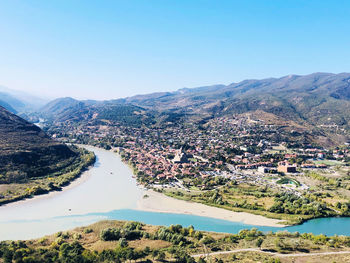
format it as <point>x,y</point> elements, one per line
<point>154,253</point>
<point>207,240</point>
<point>279,244</point>
<point>123,242</point>
<point>147,250</point>
<point>161,256</point>
<point>70,253</point>
<point>110,234</point>
<point>259,242</point>
<point>7,256</point>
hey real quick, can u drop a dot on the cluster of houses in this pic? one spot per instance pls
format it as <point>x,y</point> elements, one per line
<point>152,164</point>
<point>202,151</point>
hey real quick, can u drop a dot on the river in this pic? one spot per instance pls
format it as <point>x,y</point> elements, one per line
<point>108,191</point>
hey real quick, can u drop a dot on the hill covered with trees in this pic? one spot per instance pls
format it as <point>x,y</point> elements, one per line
<point>318,103</point>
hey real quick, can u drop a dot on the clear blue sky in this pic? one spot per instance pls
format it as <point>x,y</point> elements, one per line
<point>109,49</point>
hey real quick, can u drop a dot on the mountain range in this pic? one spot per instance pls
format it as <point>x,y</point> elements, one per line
<point>316,105</point>
<point>318,102</point>
<point>319,98</point>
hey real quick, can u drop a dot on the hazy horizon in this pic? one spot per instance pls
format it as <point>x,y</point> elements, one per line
<point>50,98</point>
<point>116,49</point>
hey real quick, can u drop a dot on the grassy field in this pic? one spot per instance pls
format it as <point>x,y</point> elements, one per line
<point>242,198</point>
<point>329,162</point>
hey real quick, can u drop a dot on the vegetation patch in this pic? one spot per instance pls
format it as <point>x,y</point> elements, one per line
<point>116,241</point>
<point>287,180</point>
<point>30,187</point>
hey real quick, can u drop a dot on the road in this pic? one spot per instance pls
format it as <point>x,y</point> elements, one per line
<point>273,253</point>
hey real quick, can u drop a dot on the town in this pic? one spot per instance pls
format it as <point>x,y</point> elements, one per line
<point>182,159</point>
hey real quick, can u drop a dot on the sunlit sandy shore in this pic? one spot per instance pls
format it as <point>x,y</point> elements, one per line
<point>157,202</point>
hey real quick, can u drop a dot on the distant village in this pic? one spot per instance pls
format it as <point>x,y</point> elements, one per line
<point>238,149</point>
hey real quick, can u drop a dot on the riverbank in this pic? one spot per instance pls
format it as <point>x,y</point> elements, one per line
<point>54,182</point>
<point>82,178</point>
<point>158,202</point>
<point>107,186</point>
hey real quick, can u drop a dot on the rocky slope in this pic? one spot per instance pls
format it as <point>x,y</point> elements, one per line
<point>26,151</point>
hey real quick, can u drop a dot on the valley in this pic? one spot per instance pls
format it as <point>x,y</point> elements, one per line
<point>241,163</point>
<point>174,131</point>
<point>194,154</point>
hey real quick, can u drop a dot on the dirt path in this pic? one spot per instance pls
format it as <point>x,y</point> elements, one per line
<point>273,253</point>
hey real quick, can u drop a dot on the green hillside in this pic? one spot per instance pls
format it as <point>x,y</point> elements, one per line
<point>27,152</point>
